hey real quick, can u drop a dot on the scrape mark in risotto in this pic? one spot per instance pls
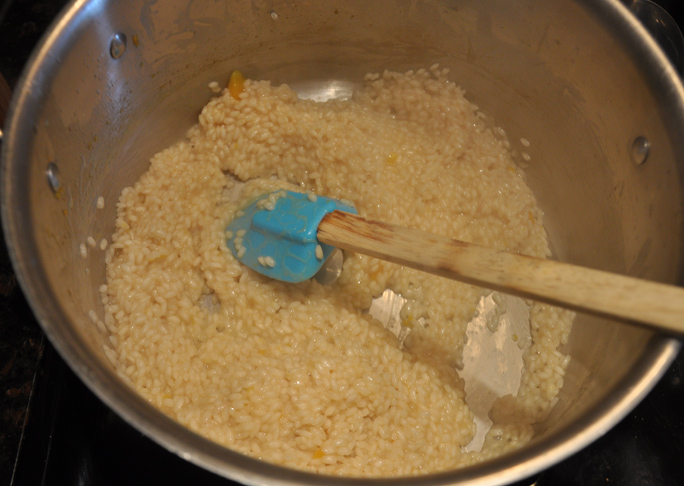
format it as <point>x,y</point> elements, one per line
<point>300,374</point>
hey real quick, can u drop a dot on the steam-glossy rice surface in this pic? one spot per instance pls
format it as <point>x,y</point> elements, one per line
<point>300,374</point>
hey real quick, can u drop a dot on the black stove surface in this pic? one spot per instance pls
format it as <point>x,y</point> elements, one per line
<point>66,436</point>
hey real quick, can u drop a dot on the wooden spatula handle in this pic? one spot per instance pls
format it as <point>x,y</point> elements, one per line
<point>570,286</point>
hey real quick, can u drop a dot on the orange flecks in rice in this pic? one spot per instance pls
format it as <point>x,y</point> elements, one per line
<point>236,84</point>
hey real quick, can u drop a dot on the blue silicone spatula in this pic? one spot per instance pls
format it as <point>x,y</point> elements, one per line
<point>276,234</point>
<point>288,236</point>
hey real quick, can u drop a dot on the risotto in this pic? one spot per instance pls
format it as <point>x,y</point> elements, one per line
<point>301,374</point>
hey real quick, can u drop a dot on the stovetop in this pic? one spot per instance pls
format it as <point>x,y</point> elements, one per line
<point>54,431</point>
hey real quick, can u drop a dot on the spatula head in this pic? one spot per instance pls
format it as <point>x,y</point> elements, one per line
<point>275,234</point>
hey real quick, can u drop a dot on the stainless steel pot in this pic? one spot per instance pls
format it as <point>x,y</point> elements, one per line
<point>114,82</point>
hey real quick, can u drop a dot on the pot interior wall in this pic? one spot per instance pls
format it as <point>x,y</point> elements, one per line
<point>555,75</point>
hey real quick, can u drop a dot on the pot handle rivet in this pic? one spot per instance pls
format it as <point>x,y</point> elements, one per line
<point>117,46</point>
<point>640,149</point>
<point>52,173</point>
